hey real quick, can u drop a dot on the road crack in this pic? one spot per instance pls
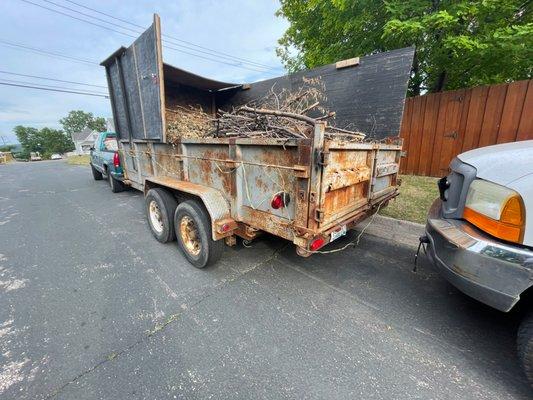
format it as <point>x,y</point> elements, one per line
<point>158,328</point>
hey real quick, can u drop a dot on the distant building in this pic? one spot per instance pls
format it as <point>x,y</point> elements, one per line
<point>110,125</point>
<point>84,140</point>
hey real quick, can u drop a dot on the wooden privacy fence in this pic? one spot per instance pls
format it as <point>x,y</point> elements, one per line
<point>438,126</point>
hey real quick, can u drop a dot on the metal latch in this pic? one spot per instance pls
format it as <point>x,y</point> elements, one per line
<point>319,215</point>
<point>322,158</point>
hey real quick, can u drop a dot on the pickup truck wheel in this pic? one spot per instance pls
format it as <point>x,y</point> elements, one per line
<point>525,346</point>
<point>193,232</point>
<point>97,175</point>
<point>116,185</point>
<point>160,206</point>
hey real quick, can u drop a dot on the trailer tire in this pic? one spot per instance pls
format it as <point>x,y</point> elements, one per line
<point>116,185</point>
<point>193,233</point>
<point>97,175</point>
<point>160,207</point>
<point>525,346</point>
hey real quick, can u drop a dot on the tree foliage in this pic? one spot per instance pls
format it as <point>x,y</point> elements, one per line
<point>460,43</point>
<point>78,120</point>
<point>46,140</point>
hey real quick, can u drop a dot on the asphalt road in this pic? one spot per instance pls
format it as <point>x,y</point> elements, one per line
<point>93,307</point>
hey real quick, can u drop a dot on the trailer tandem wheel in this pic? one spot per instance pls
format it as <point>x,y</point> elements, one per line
<point>193,233</point>
<point>160,206</point>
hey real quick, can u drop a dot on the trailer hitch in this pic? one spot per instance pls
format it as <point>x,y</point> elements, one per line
<point>422,242</point>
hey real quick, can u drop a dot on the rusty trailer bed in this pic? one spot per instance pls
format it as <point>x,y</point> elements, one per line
<point>326,185</point>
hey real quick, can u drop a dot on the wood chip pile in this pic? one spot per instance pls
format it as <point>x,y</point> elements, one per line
<point>279,114</point>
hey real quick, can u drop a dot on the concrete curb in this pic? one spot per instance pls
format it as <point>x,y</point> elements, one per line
<point>396,230</point>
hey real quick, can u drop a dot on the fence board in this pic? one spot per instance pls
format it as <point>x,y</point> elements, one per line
<point>438,126</point>
<point>405,128</point>
<point>525,129</point>
<point>431,113</point>
<point>476,109</point>
<point>415,133</point>
<point>512,111</point>
<point>492,115</point>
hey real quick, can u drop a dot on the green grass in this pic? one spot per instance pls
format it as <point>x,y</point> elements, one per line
<point>79,160</point>
<point>416,195</point>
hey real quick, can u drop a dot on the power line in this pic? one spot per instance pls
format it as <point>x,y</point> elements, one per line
<point>127,34</point>
<point>172,37</point>
<point>52,79</point>
<point>53,90</point>
<point>208,52</point>
<point>46,52</point>
<point>48,86</point>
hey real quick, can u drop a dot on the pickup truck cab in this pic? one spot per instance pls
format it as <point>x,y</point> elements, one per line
<point>105,161</point>
<point>480,232</point>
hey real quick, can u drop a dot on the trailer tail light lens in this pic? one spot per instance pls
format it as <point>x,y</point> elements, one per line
<point>225,228</point>
<point>495,209</point>
<point>317,244</point>
<point>116,160</point>
<point>280,200</point>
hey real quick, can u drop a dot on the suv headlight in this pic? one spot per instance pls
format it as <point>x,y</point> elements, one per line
<point>495,209</point>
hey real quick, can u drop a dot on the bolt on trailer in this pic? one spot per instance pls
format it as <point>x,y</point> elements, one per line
<point>308,189</point>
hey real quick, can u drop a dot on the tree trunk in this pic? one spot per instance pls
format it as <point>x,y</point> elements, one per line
<point>441,82</point>
<point>415,80</point>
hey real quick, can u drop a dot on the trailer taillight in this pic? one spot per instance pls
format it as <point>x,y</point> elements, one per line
<point>280,200</point>
<point>116,160</point>
<point>317,244</point>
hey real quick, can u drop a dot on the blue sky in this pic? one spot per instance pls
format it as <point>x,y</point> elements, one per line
<point>246,29</point>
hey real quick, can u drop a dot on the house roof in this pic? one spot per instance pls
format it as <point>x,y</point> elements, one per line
<point>82,136</point>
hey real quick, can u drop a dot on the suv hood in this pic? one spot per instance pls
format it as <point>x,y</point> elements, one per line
<point>501,163</point>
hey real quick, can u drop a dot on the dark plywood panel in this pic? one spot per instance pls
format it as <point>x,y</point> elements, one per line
<point>368,97</point>
<point>147,70</point>
<point>117,97</point>
<point>135,74</point>
<point>525,128</point>
<point>512,111</point>
<point>133,97</point>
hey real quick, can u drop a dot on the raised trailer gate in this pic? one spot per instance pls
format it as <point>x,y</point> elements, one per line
<point>308,191</point>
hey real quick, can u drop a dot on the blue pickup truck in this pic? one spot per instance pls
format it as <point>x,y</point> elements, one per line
<point>105,161</point>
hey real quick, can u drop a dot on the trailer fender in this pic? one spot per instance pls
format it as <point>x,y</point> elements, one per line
<point>222,225</point>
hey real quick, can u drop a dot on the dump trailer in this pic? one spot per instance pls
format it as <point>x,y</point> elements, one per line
<point>207,191</point>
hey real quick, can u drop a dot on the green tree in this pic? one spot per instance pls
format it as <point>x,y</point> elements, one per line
<point>45,141</point>
<point>459,43</point>
<point>78,120</point>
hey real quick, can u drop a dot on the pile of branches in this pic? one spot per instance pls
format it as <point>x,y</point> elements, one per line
<point>280,114</point>
<point>188,122</point>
